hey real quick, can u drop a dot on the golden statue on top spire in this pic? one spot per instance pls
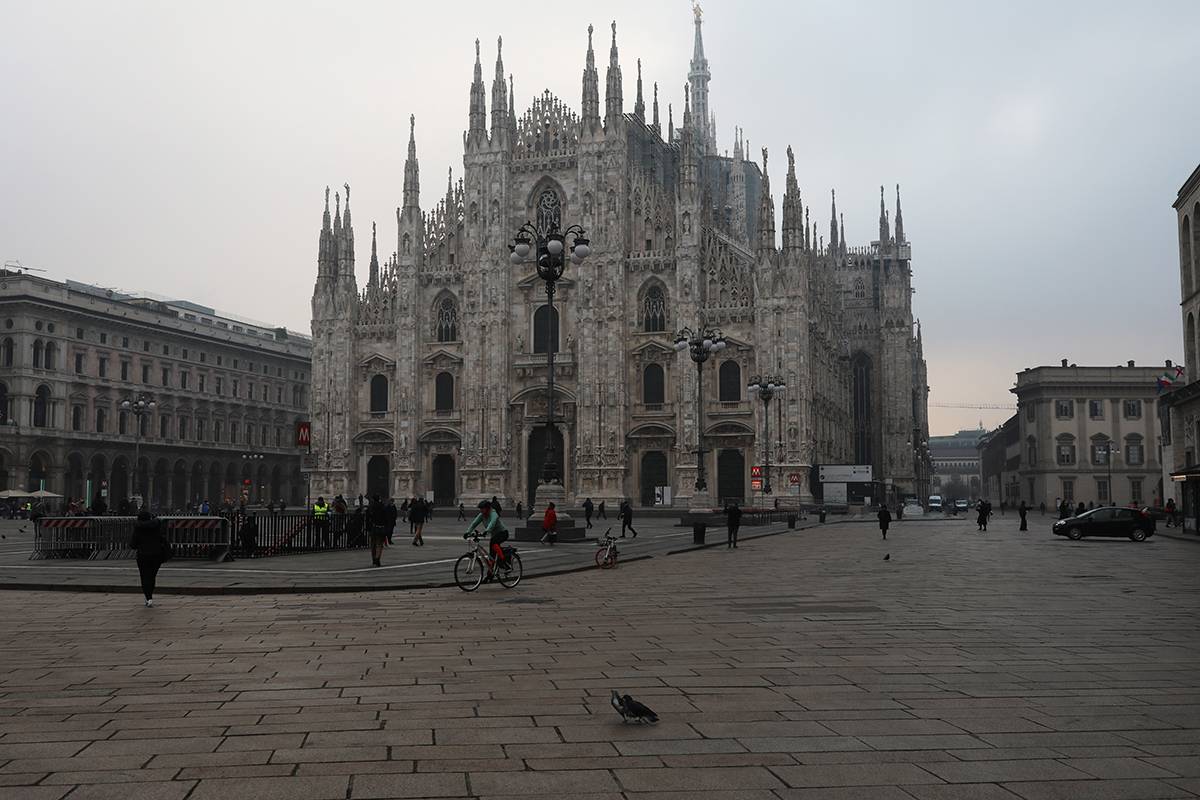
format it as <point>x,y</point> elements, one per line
<point>696,10</point>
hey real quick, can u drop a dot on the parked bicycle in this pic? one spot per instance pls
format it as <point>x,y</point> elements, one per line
<point>606,556</point>
<point>478,566</point>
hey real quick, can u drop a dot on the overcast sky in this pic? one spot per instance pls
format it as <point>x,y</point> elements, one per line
<point>183,148</point>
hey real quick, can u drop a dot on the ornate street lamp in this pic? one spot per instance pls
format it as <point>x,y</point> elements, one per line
<point>700,343</point>
<point>139,406</point>
<point>766,389</point>
<point>552,253</point>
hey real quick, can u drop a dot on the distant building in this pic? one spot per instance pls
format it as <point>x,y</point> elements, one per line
<point>955,460</point>
<point>1181,407</point>
<point>1000,463</point>
<point>228,397</point>
<point>1089,434</point>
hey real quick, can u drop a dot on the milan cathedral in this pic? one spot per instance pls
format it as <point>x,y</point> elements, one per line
<point>432,377</point>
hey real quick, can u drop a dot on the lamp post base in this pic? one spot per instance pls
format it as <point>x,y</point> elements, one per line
<point>701,500</point>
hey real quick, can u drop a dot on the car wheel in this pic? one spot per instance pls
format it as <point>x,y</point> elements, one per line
<point>1075,534</point>
<point>1138,535</point>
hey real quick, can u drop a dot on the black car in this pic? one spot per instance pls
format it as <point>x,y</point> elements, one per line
<point>1129,522</point>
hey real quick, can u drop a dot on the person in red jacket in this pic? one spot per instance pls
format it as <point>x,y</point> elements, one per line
<point>550,524</point>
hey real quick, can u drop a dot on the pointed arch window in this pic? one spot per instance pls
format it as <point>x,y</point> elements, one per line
<point>730,380</point>
<point>860,289</point>
<point>654,310</point>
<point>545,329</point>
<point>653,385</point>
<point>444,392</point>
<point>549,211</point>
<point>447,320</point>
<point>379,394</point>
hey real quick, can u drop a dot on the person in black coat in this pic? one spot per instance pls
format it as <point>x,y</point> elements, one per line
<point>249,535</point>
<point>392,514</point>
<point>1022,510</point>
<point>885,519</point>
<point>733,520</point>
<point>377,527</point>
<point>587,511</point>
<point>152,548</point>
<point>625,512</point>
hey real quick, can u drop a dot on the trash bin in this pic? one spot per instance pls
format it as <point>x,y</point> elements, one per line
<point>698,529</point>
<point>821,515</point>
<point>791,520</point>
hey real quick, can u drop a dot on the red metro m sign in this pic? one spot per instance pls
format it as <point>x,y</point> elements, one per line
<point>303,434</point>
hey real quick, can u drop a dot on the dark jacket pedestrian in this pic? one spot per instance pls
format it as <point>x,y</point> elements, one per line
<point>587,512</point>
<point>152,547</point>
<point>1170,510</point>
<point>625,512</point>
<point>600,512</point>
<point>392,514</point>
<point>1080,510</point>
<point>1022,511</point>
<point>248,532</point>
<point>377,524</point>
<point>733,520</point>
<point>496,506</point>
<point>462,511</point>
<point>885,519</point>
<point>520,510</point>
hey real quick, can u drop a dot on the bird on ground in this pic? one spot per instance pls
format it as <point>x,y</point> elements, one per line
<point>888,557</point>
<point>619,705</point>
<point>638,711</point>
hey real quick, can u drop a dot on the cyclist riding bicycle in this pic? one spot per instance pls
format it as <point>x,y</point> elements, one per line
<point>492,526</point>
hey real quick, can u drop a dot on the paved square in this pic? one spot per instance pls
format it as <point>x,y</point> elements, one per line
<point>968,665</point>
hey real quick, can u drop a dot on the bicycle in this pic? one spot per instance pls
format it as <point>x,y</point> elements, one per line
<point>478,565</point>
<point>606,556</point>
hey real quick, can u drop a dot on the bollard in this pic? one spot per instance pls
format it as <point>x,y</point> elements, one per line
<point>792,521</point>
<point>698,529</point>
<point>821,515</point>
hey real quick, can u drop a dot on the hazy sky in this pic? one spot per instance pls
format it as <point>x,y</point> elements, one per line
<point>183,148</point>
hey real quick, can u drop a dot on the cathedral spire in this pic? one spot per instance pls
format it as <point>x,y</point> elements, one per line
<point>655,124</point>
<point>589,116</point>
<point>884,236</point>
<point>899,218</point>
<point>793,208</point>
<point>374,258</point>
<point>412,170</point>
<point>698,77</point>
<point>766,214</point>
<point>499,98</point>
<point>833,221</point>
<point>325,243</point>
<point>808,239</point>
<point>614,101</point>
<point>477,119</point>
<point>512,106</point>
<point>639,105</point>
<point>842,232</point>
<point>671,123</point>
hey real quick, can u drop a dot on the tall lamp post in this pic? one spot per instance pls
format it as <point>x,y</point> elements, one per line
<point>766,388</point>
<point>701,343</point>
<point>552,253</point>
<point>139,406</point>
<point>1109,450</point>
<point>249,459</point>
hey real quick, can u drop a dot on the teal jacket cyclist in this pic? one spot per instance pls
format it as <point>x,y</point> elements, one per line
<point>492,526</point>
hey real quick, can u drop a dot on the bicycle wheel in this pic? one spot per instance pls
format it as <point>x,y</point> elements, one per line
<point>512,576</point>
<point>605,558</point>
<point>468,572</point>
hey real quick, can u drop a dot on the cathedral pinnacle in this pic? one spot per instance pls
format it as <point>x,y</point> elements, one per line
<point>614,101</point>
<point>655,124</point>
<point>477,118</point>
<point>412,171</point>
<point>374,258</point>
<point>884,236</point>
<point>833,221</point>
<point>590,108</point>
<point>639,105</point>
<point>499,97</point>
<point>899,218</point>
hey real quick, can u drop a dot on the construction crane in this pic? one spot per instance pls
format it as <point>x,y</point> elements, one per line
<point>983,406</point>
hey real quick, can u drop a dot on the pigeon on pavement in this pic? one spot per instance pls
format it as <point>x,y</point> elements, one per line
<point>888,557</point>
<point>638,711</point>
<point>619,705</point>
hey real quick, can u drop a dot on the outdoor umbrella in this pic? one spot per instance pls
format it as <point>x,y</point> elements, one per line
<point>9,494</point>
<point>44,493</point>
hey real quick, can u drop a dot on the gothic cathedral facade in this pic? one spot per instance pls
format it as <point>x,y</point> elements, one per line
<point>432,377</point>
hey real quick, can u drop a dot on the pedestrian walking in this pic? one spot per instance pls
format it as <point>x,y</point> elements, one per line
<point>600,512</point>
<point>587,512</point>
<point>549,524</point>
<point>496,506</point>
<point>980,516</point>
<point>1170,509</point>
<point>248,533</point>
<point>404,509</point>
<point>320,512</point>
<point>733,520</point>
<point>416,518</point>
<point>885,519</point>
<point>1080,510</point>
<point>377,527</point>
<point>152,548</point>
<point>1022,510</point>
<point>1042,507</point>
<point>520,510</point>
<point>392,514</point>
<point>625,512</point>
<point>462,511</point>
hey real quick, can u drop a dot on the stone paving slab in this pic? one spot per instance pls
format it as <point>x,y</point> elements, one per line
<point>968,666</point>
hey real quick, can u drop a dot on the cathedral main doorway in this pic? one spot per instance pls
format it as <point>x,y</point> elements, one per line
<point>378,471</point>
<point>445,480</point>
<point>536,459</point>
<point>654,474</point>
<point>731,476</point>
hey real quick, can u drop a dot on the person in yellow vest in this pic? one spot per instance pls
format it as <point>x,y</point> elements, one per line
<point>321,518</point>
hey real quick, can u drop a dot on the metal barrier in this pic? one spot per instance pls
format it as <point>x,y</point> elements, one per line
<point>110,537</point>
<point>296,532</point>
